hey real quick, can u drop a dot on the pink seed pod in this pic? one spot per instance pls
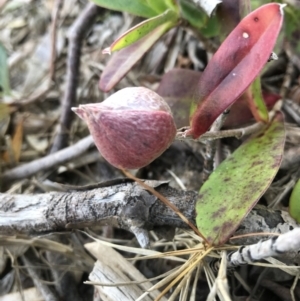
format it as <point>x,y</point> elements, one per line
<point>130,128</point>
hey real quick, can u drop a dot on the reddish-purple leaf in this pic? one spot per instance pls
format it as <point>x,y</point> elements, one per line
<point>240,113</point>
<point>177,88</point>
<point>235,65</point>
<point>125,59</point>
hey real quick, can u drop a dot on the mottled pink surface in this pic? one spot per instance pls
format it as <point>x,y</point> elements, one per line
<point>130,133</point>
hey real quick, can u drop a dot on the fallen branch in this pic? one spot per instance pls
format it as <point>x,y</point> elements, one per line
<point>275,246</point>
<point>47,162</point>
<point>123,204</point>
<point>77,32</point>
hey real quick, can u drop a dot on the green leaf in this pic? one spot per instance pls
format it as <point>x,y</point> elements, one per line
<point>172,4</point>
<point>137,7</point>
<point>141,30</point>
<point>295,202</point>
<point>158,6</point>
<point>234,188</point>
<point>208,6</point>
<point>211,28</point>
<point>4,74</point>
<point>193,14</point>
<point>124,60</point>
<point>256,102</point>
<point>292,25</point>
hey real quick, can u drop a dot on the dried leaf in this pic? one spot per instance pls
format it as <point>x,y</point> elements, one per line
<point>234,188</point>
<point>4,118</point>
<point>16,144</point>
<point>235,65</point>
<point>124,60</point>
<point>139,31</point>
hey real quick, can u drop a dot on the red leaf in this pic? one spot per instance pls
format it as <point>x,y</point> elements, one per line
<point>177,88</point>
<point>122,61</point>
<point>240,113</point>
<point>235,65</point>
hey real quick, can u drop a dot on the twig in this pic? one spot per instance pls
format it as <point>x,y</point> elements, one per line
<point>77,32</point>
<point>237,133</point>
<point>65,283</point>
<point>121,205</point>
<point>211,147</point>
<point>55,16</point>
<point>287,79</point>
<point>30,261</point>
<point>275,246</point>
<point>166,202</point>
<point>49,161</point>
<point>291,158</point>
<point>36,95</point>
<point>292,108</point>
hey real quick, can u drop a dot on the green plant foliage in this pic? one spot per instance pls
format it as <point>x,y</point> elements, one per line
<point>237,184</point>
<point>193,14</point>
<point>160,6</point>
<point>292,26</point>
<point>136,7</point>
<point>295,202</point>
<point>257,105</point>
<point>4,74</point>
<point>139,31</point>
<point>171,4</point>
<point>211,28</point>
<point>208,26</point>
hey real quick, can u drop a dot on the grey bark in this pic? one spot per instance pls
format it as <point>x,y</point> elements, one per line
<point>126,205</point>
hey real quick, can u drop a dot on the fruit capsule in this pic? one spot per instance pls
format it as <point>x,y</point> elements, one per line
<point>130,128</point>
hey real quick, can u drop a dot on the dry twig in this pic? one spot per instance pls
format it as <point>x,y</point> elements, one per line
<point>77,32</point>
<point>49,161</point>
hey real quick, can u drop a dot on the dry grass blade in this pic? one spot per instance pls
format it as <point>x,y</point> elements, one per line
<point>193,262</point>
<point>138,251</point>
<point>43,243</point>
<point>220,285</point>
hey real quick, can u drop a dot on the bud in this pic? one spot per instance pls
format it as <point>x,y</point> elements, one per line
<point>130,128</point>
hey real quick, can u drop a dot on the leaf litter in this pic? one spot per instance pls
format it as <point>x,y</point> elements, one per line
<point>31,105</point>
